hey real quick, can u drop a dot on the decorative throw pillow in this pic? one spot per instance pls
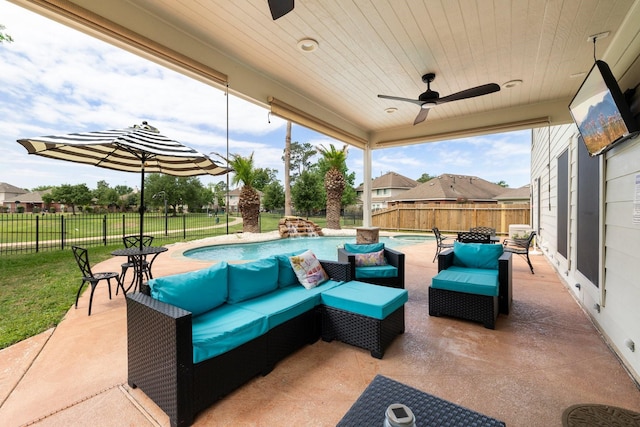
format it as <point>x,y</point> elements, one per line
<point>370,259</point>
<point>308,269</point>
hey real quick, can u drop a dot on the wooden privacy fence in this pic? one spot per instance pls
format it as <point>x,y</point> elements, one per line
<point>452,217</point>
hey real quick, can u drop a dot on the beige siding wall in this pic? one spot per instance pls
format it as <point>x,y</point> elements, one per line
<point>619,292</point>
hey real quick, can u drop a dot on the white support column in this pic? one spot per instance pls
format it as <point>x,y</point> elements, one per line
<point>366,187</point>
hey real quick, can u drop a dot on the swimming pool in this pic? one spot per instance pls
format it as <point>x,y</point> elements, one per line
<point>322,247</point>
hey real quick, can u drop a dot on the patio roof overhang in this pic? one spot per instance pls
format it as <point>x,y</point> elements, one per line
<point>377,47</point>
<point>538,51</point>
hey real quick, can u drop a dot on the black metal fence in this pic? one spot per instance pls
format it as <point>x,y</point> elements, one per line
<point>23,233</point>
<point>30,233</point>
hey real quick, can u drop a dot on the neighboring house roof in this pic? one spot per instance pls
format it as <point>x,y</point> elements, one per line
<point>391,180</point>
<point>33,197</point>
<point>452,187</point>
<point>522,193</point>
<point>10,189</point>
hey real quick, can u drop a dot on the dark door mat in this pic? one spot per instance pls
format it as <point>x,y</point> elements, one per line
<point>599,415</point>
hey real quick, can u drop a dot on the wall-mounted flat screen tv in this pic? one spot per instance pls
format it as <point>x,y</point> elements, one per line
<point>600,111</point>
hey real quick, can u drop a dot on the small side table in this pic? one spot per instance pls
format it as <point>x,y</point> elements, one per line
<point>429,410</point>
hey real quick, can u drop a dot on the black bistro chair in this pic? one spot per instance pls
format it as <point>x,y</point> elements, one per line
<point>440,241</point>
<point>88,276</point>
<point>132,242</point>
<point>520,247</point>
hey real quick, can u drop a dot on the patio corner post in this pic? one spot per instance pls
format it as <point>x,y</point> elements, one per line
<point>366,188</point>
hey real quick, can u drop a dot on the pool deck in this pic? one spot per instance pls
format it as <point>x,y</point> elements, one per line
<point>541,359</point>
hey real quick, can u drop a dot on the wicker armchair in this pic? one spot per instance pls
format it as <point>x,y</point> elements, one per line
<point>478,308</point>
<point>393,258</point>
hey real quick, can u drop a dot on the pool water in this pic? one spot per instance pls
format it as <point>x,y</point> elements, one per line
<point>322,247</point>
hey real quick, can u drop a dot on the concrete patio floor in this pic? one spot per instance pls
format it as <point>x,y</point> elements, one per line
<point>541,359</point>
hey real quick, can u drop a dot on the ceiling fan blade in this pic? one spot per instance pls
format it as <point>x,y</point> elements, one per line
<point>279,8</point>
<point>397,98</point>
<point>471,93</point>
<point>422,115</point>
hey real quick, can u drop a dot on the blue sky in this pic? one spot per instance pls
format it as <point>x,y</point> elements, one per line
<point>55,80</point>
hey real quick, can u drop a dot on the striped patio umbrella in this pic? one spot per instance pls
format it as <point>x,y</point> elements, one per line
<point>140,148</point>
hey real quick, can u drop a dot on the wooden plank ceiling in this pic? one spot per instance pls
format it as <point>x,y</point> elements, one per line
<point>371,47</point>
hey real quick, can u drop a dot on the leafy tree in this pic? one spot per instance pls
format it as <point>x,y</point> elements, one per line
<point>273,196</point>
<point>219,193</point>
<point>180,191</point>
<point>425,177</point>
<point>123,189</point>
<point>502,184</point>
<point>300,158</point>
<point>105,195</point>
<point>287,168</point>
<point>72,195</point>
<point>4,37</point>
<point>306,193</point>
<point>334,161</point>
<point>42,188</point>
<point>263,177</point>
<point>249,202</point>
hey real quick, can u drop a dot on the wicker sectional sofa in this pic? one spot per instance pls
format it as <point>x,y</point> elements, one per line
<point>195,337</point>
<point>474,282</point>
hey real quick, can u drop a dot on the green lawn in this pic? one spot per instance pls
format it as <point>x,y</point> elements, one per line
<point>37,289</point>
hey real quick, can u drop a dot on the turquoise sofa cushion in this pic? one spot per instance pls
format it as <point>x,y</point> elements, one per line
<point>252,279</point>
<point>476,255</point>
<point>197,291</point>
<point>376,271</point>
<point>365,299</point>
<point>286,275</point>
<point>223,329</point>
<point>479,281</point>
<point>356,248</point>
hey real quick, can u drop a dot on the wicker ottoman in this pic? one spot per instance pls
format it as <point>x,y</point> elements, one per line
<point>364,315</point>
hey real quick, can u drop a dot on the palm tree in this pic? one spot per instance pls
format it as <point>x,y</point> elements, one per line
<point>334,182</point>
<point>249,203</point>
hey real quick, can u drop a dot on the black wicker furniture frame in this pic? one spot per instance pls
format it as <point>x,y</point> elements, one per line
<point>160,351</point>
<point>362,331</point>
<point>477,308</point>
<point>429,410</point>
<point>393,257</point>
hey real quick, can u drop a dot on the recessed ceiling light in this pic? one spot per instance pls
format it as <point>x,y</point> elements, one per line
<point>390,110</point>
<point>511,83</point>
<point>307,45</point>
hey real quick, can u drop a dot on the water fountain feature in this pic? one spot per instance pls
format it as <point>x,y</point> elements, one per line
<point>293,226</point>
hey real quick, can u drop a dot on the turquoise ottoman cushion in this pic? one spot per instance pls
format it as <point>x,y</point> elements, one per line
<point>223,329</point>
<point>376,271</point>
<point>467,280</point>
<point>365,299</point>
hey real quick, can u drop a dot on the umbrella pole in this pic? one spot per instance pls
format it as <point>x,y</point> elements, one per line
<point>141,209</point>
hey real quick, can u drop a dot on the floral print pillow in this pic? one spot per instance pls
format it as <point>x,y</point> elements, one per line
<point>308,269</point>
<point>370,259</point>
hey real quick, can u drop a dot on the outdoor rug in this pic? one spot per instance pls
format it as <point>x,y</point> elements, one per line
<point>599,415</point>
